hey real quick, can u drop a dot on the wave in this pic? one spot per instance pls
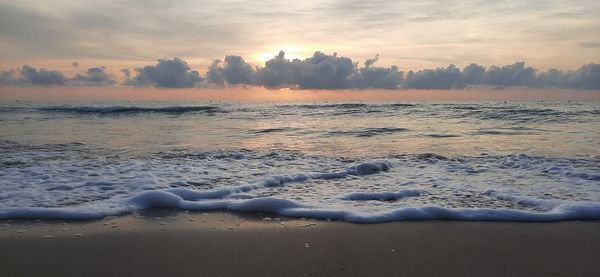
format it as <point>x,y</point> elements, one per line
<point>443,136</point>
<point>507,131</point>
<point>321,106</point>
<point>368,132</point>
<point>132,109</point>
<point>514,113</point>
<point>519,113</point>
<point>182,199</point>
<point>275,130</point>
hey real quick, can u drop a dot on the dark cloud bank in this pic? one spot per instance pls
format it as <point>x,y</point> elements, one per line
<point>29,76</point>
<point>173,73</point>
<point>321,71</point>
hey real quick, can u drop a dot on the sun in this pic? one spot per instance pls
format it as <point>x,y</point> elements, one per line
<point>264,57</point>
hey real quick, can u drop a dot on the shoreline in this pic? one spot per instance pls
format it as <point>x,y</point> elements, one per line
<point>175,243</point>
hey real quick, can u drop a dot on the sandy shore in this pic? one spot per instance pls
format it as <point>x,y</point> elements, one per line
<point>167,243</point>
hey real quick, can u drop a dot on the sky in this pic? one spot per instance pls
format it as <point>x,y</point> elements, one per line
<point>75,36</point>
<point>258,94</point>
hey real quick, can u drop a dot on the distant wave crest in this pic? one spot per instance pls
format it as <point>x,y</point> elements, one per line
<point>132,109</point>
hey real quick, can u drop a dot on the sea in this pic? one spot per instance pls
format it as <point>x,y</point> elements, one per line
<point>361,162</point>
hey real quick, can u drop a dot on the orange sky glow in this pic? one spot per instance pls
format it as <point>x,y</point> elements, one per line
<point>258,94</point>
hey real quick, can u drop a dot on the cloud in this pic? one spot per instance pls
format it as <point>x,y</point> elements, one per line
<point>586,77</point>
<point>61,30</point>
<point>439,78</point>
<point>95,76</point>
<point>372,61</point>
<point>375,77</point>
<point>279,72</point>
<point>214,74</point>
<point>320,71</point>
<point>42,76</point>
<point>237,71</point>
<point>234,71</point>
<point>173,73</point>
<point>30,76</point>
<point>473,74</point>
<point>452,77</point>
<point>510,75</point>
<point>126,73</point>
<point>7,77</point>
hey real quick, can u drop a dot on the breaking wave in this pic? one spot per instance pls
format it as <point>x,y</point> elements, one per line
<point>392,188</point>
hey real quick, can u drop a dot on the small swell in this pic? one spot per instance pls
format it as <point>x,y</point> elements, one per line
<point>132,109</point>
<point>368,132</point>
<point>520,115</point>
<point>275,130</point>
<point>399,105</point>
<point>501,132</point>
<point>443,136</point>
<point>321,106</point>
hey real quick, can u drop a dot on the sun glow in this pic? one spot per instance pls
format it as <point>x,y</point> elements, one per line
<point>290,53</point>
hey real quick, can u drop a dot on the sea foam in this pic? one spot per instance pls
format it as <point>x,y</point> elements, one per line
<point>449,189</point>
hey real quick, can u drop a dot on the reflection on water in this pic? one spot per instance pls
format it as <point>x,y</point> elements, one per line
<point>329,129</point>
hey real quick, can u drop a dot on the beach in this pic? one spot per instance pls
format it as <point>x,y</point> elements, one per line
<point>171,243</point>
<point>307,138</point>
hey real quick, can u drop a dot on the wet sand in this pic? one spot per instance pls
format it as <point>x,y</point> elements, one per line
<point>166,243</point>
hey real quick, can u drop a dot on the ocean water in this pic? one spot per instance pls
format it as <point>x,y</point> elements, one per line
<point>357,162</point>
